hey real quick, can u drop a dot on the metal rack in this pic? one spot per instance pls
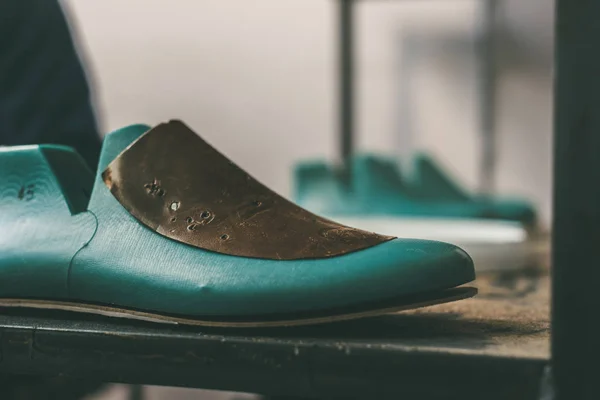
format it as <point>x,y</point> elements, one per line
<point>486,80</point>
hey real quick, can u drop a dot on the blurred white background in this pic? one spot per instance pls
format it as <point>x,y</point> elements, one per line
<point>256,78</point>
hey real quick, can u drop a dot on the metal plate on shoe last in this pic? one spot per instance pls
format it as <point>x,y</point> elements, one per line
<point>176,184</point>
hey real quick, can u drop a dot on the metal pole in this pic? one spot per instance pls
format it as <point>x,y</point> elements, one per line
<point>486,60</point>
<point>576,228</point>
<point>136,392</point>
<point>346,83</point>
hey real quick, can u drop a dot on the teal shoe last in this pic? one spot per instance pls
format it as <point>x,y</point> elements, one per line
<point>379,189</point>
<point>175,232</point>
<point>431,182</point>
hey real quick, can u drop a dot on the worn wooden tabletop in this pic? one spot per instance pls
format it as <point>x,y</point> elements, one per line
<point>494,346</point>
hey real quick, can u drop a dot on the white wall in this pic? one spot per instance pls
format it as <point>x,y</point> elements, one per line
<point>256,79</point>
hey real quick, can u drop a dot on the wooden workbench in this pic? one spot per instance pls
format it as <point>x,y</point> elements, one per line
<point>495,346</point>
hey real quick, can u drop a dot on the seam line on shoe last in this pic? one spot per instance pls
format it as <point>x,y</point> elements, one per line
<point>68,283</point>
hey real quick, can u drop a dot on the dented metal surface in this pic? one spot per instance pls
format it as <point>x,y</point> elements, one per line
<point>175,183</point>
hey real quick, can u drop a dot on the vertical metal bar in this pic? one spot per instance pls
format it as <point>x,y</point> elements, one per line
<point>346,83</point>
<point>136,392</point>
<point>406,94</point>
<point>576,227</point>
<point>486,65</point>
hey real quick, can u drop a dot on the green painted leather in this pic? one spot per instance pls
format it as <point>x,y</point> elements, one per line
<point>117,261</point>
<point>378,188</point>
<point>38,232</point>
